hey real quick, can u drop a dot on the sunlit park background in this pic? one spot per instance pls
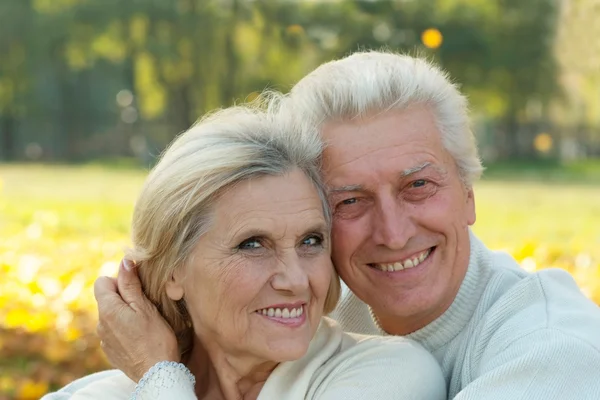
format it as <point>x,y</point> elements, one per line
<point>92,90</point>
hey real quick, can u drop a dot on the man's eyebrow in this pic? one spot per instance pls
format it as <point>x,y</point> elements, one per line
<point>421,167</point>
<point>346,188</point>
<point>414,170</point>
<point>406,172</point>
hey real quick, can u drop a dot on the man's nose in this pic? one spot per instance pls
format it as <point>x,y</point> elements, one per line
<point>392,226</point>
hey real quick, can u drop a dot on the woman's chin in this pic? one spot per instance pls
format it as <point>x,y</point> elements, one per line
<point>282,350</point>
<point>291,352</point>
<point>286,339</point>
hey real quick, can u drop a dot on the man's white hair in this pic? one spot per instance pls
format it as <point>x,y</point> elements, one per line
<point>374,82</point>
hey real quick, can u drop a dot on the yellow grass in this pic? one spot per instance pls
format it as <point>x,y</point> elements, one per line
<point>61,227</point>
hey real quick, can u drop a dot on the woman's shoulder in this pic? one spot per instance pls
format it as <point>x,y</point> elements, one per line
<point>394,351</point>
<point>348,366</point>
<point>109,385</point>
<point>380,366</point>
<point>355,344</point>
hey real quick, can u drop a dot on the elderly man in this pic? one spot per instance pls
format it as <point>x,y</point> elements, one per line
<point>400,163</point>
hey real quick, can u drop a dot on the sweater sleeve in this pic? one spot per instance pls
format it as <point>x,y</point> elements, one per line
<point>164,381</point>
<point>544,365</point>
<point>394,370</point>
<point>66,393</point>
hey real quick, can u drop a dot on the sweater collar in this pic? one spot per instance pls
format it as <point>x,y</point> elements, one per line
<point>453,321</point>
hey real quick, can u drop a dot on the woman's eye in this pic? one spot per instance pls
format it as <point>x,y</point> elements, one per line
<point>249,244</point>
<point>312,241</point>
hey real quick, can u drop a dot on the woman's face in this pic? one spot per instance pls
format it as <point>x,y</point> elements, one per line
<point>257,280</point>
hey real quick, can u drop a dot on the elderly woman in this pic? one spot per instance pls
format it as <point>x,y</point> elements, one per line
<point>231,242</point>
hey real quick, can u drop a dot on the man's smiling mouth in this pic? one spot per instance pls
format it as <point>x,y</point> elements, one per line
<point>407,263</point>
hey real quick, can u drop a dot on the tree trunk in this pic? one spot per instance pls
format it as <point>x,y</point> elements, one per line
<point>230,78</point>
<point>182,112</point>
<point>510,148</point>
<point>8,137</point>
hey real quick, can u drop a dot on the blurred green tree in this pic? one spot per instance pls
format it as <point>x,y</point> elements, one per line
<point>90,78</point>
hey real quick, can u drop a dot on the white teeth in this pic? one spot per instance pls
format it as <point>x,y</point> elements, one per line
<point>282,312</point>
<point>409,263</point>
<point>398,266</point>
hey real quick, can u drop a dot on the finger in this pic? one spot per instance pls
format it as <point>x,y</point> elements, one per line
<point>105,286</point>
<point>100,330</point>
<point>106,294</point>
<point>128,283</point>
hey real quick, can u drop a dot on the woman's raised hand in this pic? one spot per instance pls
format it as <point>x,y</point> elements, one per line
<point>133,334</point>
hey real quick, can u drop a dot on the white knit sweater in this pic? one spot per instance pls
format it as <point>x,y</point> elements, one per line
<point>337,366</point>
<point>509,334</point>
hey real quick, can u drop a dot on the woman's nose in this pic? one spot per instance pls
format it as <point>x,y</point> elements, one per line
<point>291,275</point>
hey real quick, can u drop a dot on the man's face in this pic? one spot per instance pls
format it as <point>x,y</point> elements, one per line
<point>401,215</point>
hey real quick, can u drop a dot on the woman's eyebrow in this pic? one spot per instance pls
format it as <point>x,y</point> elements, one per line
<point>244,233</point>
<point>320,227</point>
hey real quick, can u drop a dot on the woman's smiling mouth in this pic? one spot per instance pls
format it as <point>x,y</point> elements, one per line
<point>286,315</point>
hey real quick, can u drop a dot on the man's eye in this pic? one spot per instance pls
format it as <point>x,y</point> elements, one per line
<point>350,207</point>
<point>419,183</point>
<point>249,244</point>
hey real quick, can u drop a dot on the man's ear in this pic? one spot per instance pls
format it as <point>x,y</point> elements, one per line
<point>174,287</point>
<point>471,214</point>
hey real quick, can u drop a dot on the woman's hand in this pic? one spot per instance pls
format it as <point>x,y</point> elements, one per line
<point>134,336</point>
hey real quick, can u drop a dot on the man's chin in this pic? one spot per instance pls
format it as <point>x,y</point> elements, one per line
<point>406,315</point>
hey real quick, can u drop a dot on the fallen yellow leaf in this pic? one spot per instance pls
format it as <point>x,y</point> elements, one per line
<point>31,390</point>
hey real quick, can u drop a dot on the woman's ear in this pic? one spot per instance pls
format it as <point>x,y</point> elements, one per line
<point>175,289</point>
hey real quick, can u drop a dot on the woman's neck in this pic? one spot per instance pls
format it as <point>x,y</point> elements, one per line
<point>220,376</point>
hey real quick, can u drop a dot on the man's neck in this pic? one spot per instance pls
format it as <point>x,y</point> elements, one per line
<point>402,326</point>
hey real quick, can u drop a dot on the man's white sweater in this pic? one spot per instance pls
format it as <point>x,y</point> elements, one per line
<point>509,334</point>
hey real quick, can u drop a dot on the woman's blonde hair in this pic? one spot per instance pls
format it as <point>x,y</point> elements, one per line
<point>174,208</point>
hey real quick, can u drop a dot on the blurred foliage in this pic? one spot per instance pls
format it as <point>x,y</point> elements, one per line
<point>89,78</point>
<point>62,227</point>
<point>60,230</point>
